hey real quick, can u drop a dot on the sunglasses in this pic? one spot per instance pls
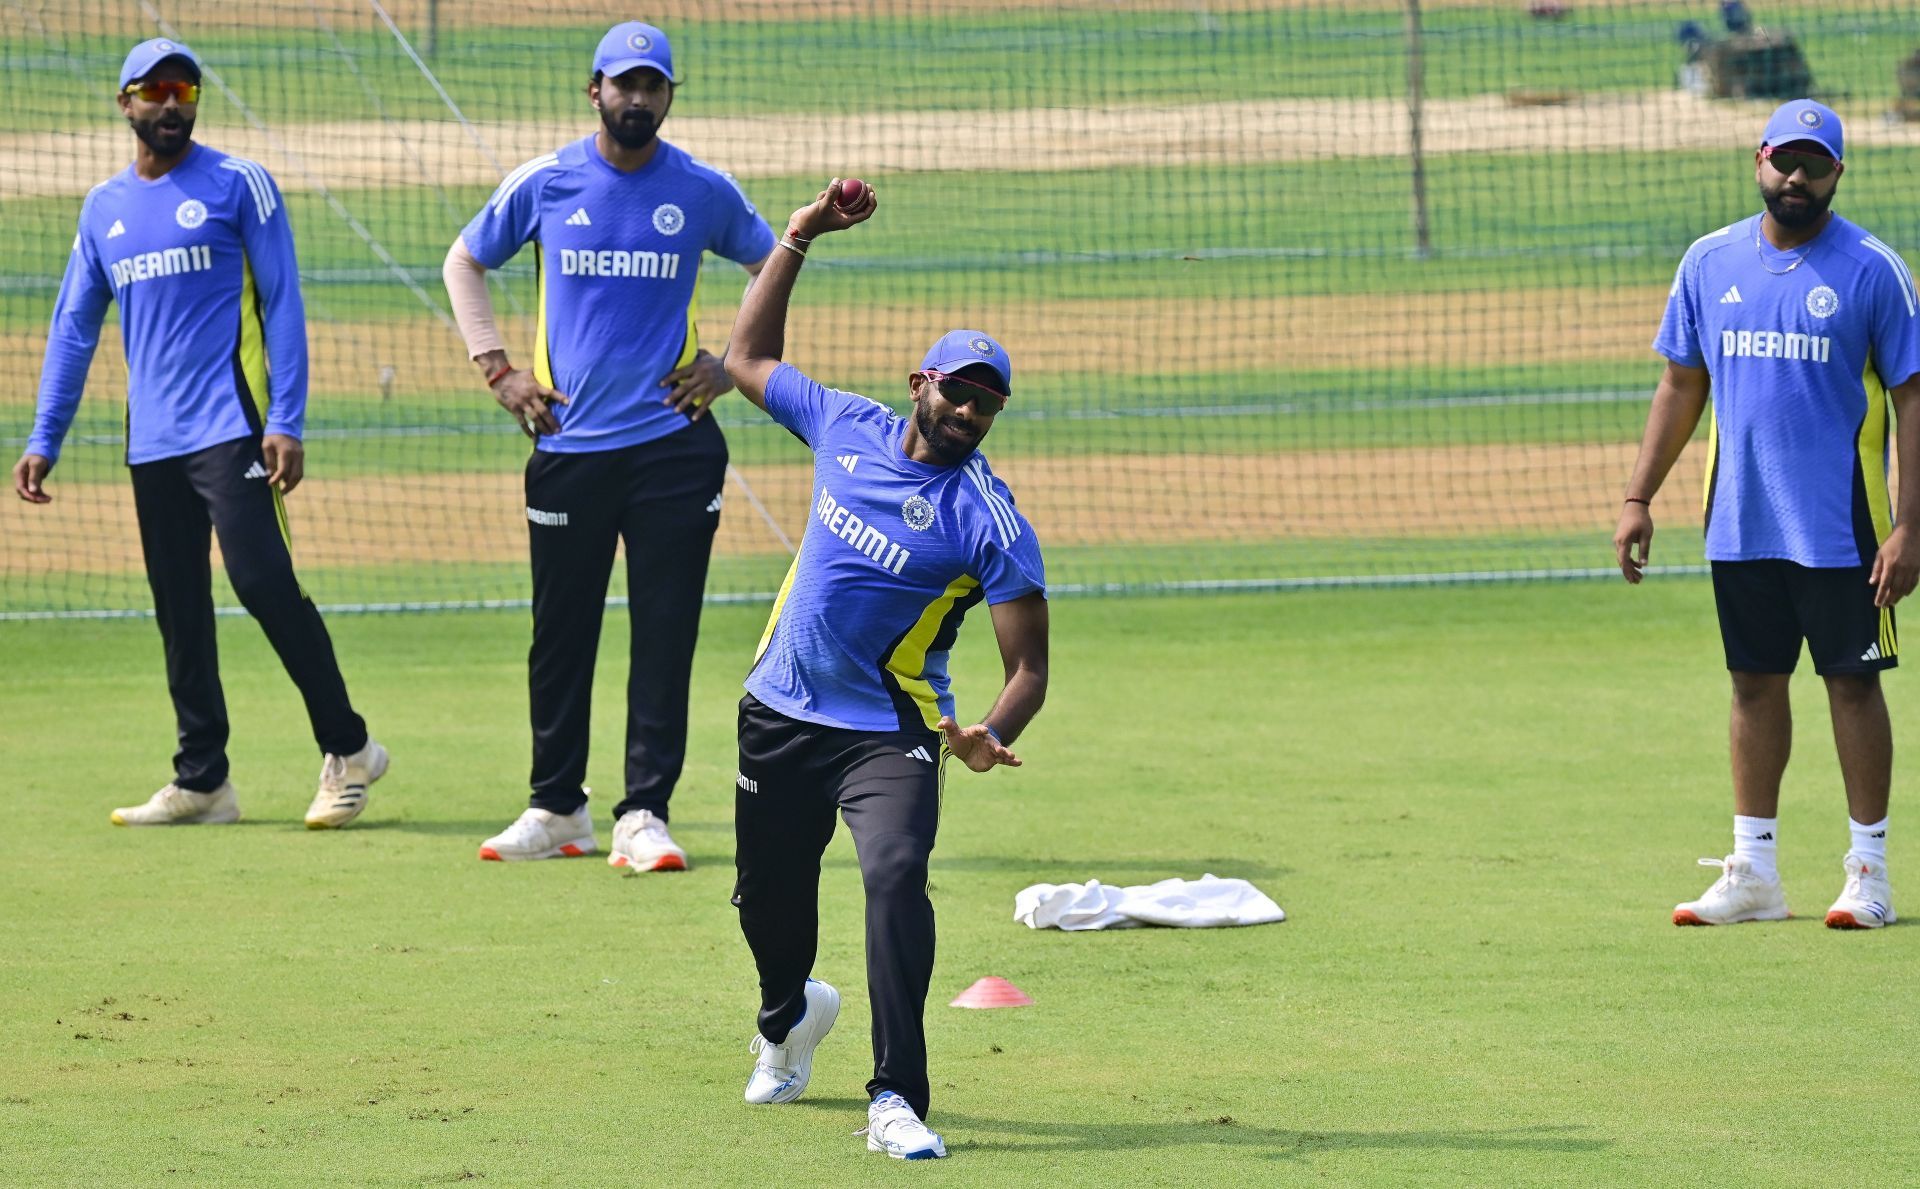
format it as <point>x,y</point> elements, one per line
<point>961,391</point>
<point>1790,161</point>
<point>157,92</point>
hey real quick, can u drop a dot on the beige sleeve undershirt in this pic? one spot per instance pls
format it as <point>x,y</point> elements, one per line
<point>466,280</point>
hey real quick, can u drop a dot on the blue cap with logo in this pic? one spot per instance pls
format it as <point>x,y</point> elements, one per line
<point>148,54</point>
<point>1805,119</point>
<point>965,348</point>
<point>631,44</point>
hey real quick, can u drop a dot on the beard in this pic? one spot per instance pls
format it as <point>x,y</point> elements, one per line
<point>1796,216</point>
<point>631,129</point>
<point>166,135</point>
<point>951,444</point>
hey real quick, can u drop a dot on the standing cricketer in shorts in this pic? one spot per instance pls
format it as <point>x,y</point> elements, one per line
<point>1802,328</point>
<point>196,248</point>
<point>848,706</point>
<point>615,403</point>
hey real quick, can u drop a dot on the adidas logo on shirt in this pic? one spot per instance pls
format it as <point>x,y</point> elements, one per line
<point>579,219</point>
<point>847,461</point>
<point>716,503</point>
<point>1731,296</point>
<point>1872,653</point>
<point>256,471</point>
<point>118,229</point>
<point>920,753</point>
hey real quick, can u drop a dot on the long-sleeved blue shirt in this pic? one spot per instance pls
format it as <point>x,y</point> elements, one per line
<point>201,261</point>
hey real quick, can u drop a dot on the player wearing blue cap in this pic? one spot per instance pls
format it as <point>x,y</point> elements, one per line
<point>196,248</point>
<point>1800,328</point>
<point>615,403</point>
<point>848,705</point>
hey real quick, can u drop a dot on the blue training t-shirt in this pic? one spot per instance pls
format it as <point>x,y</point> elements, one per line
<point>1801,358</point>
<point>618,256</point>
<point>201,261</point>
<point>895,554</point>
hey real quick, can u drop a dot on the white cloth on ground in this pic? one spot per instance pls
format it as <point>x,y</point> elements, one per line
<point>1188,903</point>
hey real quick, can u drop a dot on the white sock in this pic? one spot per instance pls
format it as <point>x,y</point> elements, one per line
<point>1869,842</point>
<point>1753,839</point>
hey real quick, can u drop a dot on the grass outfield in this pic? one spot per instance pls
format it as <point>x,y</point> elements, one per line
<point>1477,807</point>
<point>966,60</point>
<point>1502,222</point>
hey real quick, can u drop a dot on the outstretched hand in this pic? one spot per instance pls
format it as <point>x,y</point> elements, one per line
<point>825,213</point>
<point>975,746</point>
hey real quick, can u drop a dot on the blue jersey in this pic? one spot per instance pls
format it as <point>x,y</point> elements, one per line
<point>619,261</point>
<point>1801,357</point>
<point>201,261</point>
<point>895,554</point>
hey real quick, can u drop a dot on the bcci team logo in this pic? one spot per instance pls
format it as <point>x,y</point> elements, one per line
<point>918,513</point>
<point>1810,118</point>
<point>640,42</point>
<point>190,214</point>
<point>668,219</point>
<point>981,347</point>
<point>1823,302</point>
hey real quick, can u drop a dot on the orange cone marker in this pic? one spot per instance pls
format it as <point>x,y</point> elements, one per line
<point>992,991</point>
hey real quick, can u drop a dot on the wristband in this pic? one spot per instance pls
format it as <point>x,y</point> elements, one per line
<point>994,733</point>
<point>793,233</point>
<point>495,377</point>
<point>789,246</point>
<point>1633,499</point>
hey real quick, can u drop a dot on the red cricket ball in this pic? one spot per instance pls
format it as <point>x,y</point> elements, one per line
<point>852,191</point>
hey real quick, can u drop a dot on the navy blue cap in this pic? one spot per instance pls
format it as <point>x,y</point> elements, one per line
<point>964,348</point>
<point>148,54</point>
<point>1805,119</point>
<point>631,44</point>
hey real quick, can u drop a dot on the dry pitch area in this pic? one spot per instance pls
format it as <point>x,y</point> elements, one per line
<point>1132,499</point>
<point>350,155</point>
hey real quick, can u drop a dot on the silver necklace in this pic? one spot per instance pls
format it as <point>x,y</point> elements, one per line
<point>1797,260</point>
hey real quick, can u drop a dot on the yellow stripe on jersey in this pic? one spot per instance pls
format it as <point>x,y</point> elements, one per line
<point>253,343</point>
<point>1872,448</point>
<point>1713,460</point>
<point>908,660</point>
<point>691,345</point>
<point>779,601</point>
<point>542,365</point>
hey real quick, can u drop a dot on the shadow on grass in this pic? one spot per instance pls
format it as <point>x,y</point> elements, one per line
<point>1274,1143</point>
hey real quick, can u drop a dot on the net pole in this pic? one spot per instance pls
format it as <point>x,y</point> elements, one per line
<point>1416,98</point>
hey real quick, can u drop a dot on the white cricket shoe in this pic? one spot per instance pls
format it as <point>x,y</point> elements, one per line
<point>1738,895</point>
<point>641,843</point>
<point>344,781</point>
<point>783,1070</point>
<point>1867,900</point>
<point>540,834</point>
<point>893,1128</point>
<point>175,806</point>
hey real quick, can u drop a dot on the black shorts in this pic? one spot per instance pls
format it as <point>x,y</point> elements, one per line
<point>1768,607</point>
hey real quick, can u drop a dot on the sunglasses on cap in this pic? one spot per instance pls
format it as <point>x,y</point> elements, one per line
<point>157,92</point>
<point>1791,161</point>
<point>960,391</point>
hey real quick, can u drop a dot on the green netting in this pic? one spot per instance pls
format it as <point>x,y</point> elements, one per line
<point>1253,349</point>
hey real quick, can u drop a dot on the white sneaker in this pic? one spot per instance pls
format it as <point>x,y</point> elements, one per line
<point>893,1128</point>
<point>1867,900</point>
<point>641,843</point>
<point>783,1070</point>
<point>344,781</point>
<point>175,806</point>
<point>1738,895</point>
<point>539,834</point>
